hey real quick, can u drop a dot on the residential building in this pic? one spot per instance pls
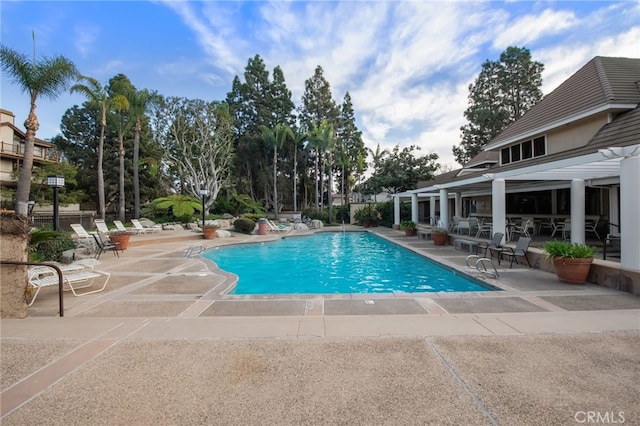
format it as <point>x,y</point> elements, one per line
<point>12,142</point>
<point>575,155</point>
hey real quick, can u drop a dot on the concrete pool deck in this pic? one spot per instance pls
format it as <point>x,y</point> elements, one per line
<point>164,344</point>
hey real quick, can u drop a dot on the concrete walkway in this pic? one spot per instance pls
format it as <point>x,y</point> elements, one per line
<point>166,344</point>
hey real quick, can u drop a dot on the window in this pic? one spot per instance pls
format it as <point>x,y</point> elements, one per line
<point>523,151</point>
<point>506,159</point>
<point>526,150</point>
<point>515,153</point>
<point>539,147</point>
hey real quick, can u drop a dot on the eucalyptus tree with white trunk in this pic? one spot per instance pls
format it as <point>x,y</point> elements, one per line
<point>197,137</point>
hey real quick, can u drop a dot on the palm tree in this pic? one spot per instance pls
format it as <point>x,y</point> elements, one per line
<point>298,137</point>
<point>47,77</point>
<point>276,138</point>
<point>378,155</point>
<point>96,94</point>
<point>323,139</point>
<point>139,101</point>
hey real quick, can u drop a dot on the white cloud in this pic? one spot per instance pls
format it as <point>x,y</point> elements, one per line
<point>530,28</point>
<point>85,37</point>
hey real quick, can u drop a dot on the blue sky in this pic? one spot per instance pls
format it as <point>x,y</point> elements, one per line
<point>407,65</point>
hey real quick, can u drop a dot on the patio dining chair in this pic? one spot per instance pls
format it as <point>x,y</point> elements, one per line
<point>491,245</point>
<point>513,253</point>
<point>104,244</point>
<point>484,227</point>
<point>592,227</point>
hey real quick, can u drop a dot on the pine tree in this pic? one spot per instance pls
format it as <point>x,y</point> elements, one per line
<point>503,91</point>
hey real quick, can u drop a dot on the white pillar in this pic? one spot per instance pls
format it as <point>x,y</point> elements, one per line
<point>614,210</point>
<point>577,211</point>
<point>498,206</point>
<point>432,210</point>
<point>629,210</point>
<point>396,210</point>
<point>414,208</point>
<point>444,209</point>
<point>458,205</point>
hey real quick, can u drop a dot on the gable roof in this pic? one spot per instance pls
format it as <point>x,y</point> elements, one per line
<point>603,84</point>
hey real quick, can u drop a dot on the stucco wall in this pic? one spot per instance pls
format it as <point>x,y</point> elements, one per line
<point>574,135</point>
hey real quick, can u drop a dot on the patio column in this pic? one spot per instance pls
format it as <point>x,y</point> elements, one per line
<point>614,211</point>
<point>577,211</point>
<point>458,204</point>
<point>629,208</point>
<point>432,210</point>
<point>396,211</point>
<point>444,209</point>
<point>498,206</point>
<point>414,208</point>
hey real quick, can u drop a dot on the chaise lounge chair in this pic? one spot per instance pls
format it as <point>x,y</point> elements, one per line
<point>43,276</point>
<point>142,229</point>
<point>101,226</point>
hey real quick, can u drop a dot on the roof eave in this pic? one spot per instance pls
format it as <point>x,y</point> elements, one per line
<point>559,123</point>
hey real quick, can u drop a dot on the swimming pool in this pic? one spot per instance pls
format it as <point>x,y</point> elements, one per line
<point>334,262</point>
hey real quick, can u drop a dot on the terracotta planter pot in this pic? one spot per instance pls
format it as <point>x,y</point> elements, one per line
<point>209,233</point>
<point>410,232</point>
<point>122,241</point>
<point>439,239</point>
<point>572,271</point>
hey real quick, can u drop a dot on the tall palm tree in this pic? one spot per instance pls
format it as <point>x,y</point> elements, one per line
<point>47,77</point>
<point>378,155</point>
<point>97,94</point>
<point>276,138</point>
<point>298,137</point>
<point>139,101</point>
<point>323,139</point>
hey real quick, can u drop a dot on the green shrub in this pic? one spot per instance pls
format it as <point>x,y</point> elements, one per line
<point>244,225</point>
<point>567,249</point>
<point>253,216</point>
<point>47,245</point>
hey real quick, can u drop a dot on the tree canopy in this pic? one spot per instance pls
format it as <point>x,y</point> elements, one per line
<point>401,171</point>
<point>503,91</point>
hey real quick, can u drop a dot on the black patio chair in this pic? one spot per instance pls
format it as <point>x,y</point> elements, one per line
<point>491,245</point>
<point>104,244</point>
<point>513,253</point>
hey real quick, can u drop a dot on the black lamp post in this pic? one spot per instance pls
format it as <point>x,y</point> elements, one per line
<point>204,193</point>
<point>55,182</point>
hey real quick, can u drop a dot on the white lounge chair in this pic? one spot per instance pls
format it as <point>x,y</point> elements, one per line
<point>142,229</point>
<point>277,228</point>
<point>120,227</point>
<point>101,226</point>
<point>84,239</point>
<point>39,278</point>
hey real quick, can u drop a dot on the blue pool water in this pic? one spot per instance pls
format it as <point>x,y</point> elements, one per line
<point>352,262</point>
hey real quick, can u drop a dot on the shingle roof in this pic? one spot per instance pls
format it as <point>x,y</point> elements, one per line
<point>602,82</point>
<point>624,130</point>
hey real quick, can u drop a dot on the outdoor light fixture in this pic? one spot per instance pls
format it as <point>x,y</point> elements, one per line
<point>204,193</point>
<point>31,204</point>
<point>55,181</point>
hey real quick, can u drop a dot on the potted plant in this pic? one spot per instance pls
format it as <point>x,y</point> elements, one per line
<point>410,228</point>
<point>368,216</point>
<point>572,261</point>
<point>439,236</point>
<point>120,239</point>
<point>209,230</point>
